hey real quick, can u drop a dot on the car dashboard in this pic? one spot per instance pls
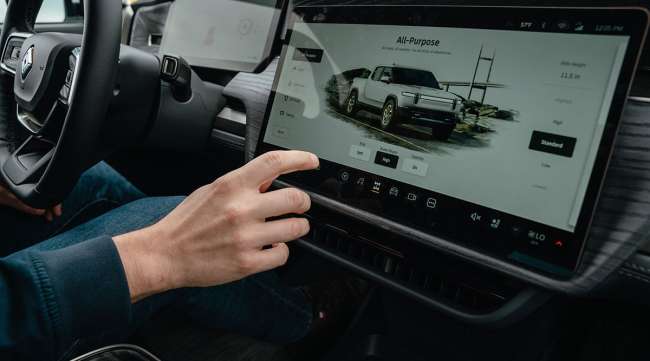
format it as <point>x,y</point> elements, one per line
<point>454,278</point>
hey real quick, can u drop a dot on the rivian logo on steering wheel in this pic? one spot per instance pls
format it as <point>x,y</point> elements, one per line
<point>28,61</point>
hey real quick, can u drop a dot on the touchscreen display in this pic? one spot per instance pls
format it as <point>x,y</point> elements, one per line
<point>225,34</point>
<point>495,121</point>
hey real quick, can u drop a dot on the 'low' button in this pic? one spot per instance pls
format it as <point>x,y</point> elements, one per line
<point>552,143</point>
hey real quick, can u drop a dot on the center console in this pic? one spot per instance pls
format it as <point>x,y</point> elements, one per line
<point>479,132</point>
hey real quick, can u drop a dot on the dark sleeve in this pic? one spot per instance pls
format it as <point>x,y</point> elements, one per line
<point>48,299</point>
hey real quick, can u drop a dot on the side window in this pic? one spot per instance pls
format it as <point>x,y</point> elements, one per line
<point>377,74</point>
<point>52,11</point>
<point>388,72</point>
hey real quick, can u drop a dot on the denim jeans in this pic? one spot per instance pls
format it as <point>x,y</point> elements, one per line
<point>259,306</point>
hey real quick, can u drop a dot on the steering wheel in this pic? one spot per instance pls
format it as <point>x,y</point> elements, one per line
<point>62,85</point>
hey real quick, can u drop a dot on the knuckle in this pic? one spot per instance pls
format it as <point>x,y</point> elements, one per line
<point>222,185</point>
<point>284,257</point>
<point>245,264</point>
<point>273,159</point>
<point>298,228</point>
<point>294,198</point>
<point>233,214</point>
<point>306,202</point>
<point>298,200</point>
<point>228,183</point>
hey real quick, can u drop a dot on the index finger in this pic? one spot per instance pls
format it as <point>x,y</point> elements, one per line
<point>269,166</point>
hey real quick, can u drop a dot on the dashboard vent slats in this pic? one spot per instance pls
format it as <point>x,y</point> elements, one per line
<point>465,295</point>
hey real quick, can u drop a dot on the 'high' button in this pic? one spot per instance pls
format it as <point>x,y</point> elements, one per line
<point>387,160</point>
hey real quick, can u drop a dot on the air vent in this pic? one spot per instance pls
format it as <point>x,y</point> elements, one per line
<point>468,295</point>
<point>235,104</point>
<point>230,125</point>
<point>232,118</point>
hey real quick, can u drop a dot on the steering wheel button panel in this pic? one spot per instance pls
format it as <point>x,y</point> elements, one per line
<point>11,55</point>
<point>68,77</point>
<point>64,93</point>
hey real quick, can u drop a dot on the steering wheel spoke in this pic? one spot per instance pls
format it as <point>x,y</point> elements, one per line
<point>12,52</point>
<point>50,126</point>
<point>28,162</point>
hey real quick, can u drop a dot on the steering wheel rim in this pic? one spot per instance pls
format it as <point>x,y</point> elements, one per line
<point>42,169</point>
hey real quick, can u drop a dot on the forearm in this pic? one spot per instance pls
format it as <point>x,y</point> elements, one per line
<point>51,298</point>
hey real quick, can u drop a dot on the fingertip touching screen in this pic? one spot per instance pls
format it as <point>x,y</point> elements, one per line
<point>236,35</point>
<point>490,130</point>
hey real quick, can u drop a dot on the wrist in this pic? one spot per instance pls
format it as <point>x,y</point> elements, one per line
<point>147,268</point>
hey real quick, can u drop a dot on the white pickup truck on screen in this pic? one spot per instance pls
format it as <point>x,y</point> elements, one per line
<point>402,94</point>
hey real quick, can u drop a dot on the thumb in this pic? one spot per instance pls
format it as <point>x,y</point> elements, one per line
<point>17,204</point>
<point>20,206</point>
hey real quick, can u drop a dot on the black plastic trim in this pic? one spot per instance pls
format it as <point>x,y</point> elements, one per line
<point>511,311</point>
<point>228,139</point>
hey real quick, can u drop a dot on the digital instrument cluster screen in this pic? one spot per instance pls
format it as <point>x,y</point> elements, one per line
<point>232,35</point>
<point>494,128</point>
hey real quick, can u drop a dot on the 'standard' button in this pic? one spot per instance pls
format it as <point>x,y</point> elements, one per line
<point>552,143</point>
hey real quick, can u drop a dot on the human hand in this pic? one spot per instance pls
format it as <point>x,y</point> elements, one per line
<point>51,213</point>
<point>219,233</point>
<point>10,200</point>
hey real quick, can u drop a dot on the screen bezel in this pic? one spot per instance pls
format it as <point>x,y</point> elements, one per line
<point>273,38</point>
<point>634,18</point>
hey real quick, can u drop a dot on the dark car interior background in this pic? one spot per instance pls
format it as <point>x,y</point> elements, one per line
<point>437,300</point>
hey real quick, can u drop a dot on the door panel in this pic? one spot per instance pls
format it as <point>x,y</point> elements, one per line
<point>376,90</point>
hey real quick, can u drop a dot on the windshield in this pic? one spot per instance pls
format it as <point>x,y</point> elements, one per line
<point>415,77</point>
